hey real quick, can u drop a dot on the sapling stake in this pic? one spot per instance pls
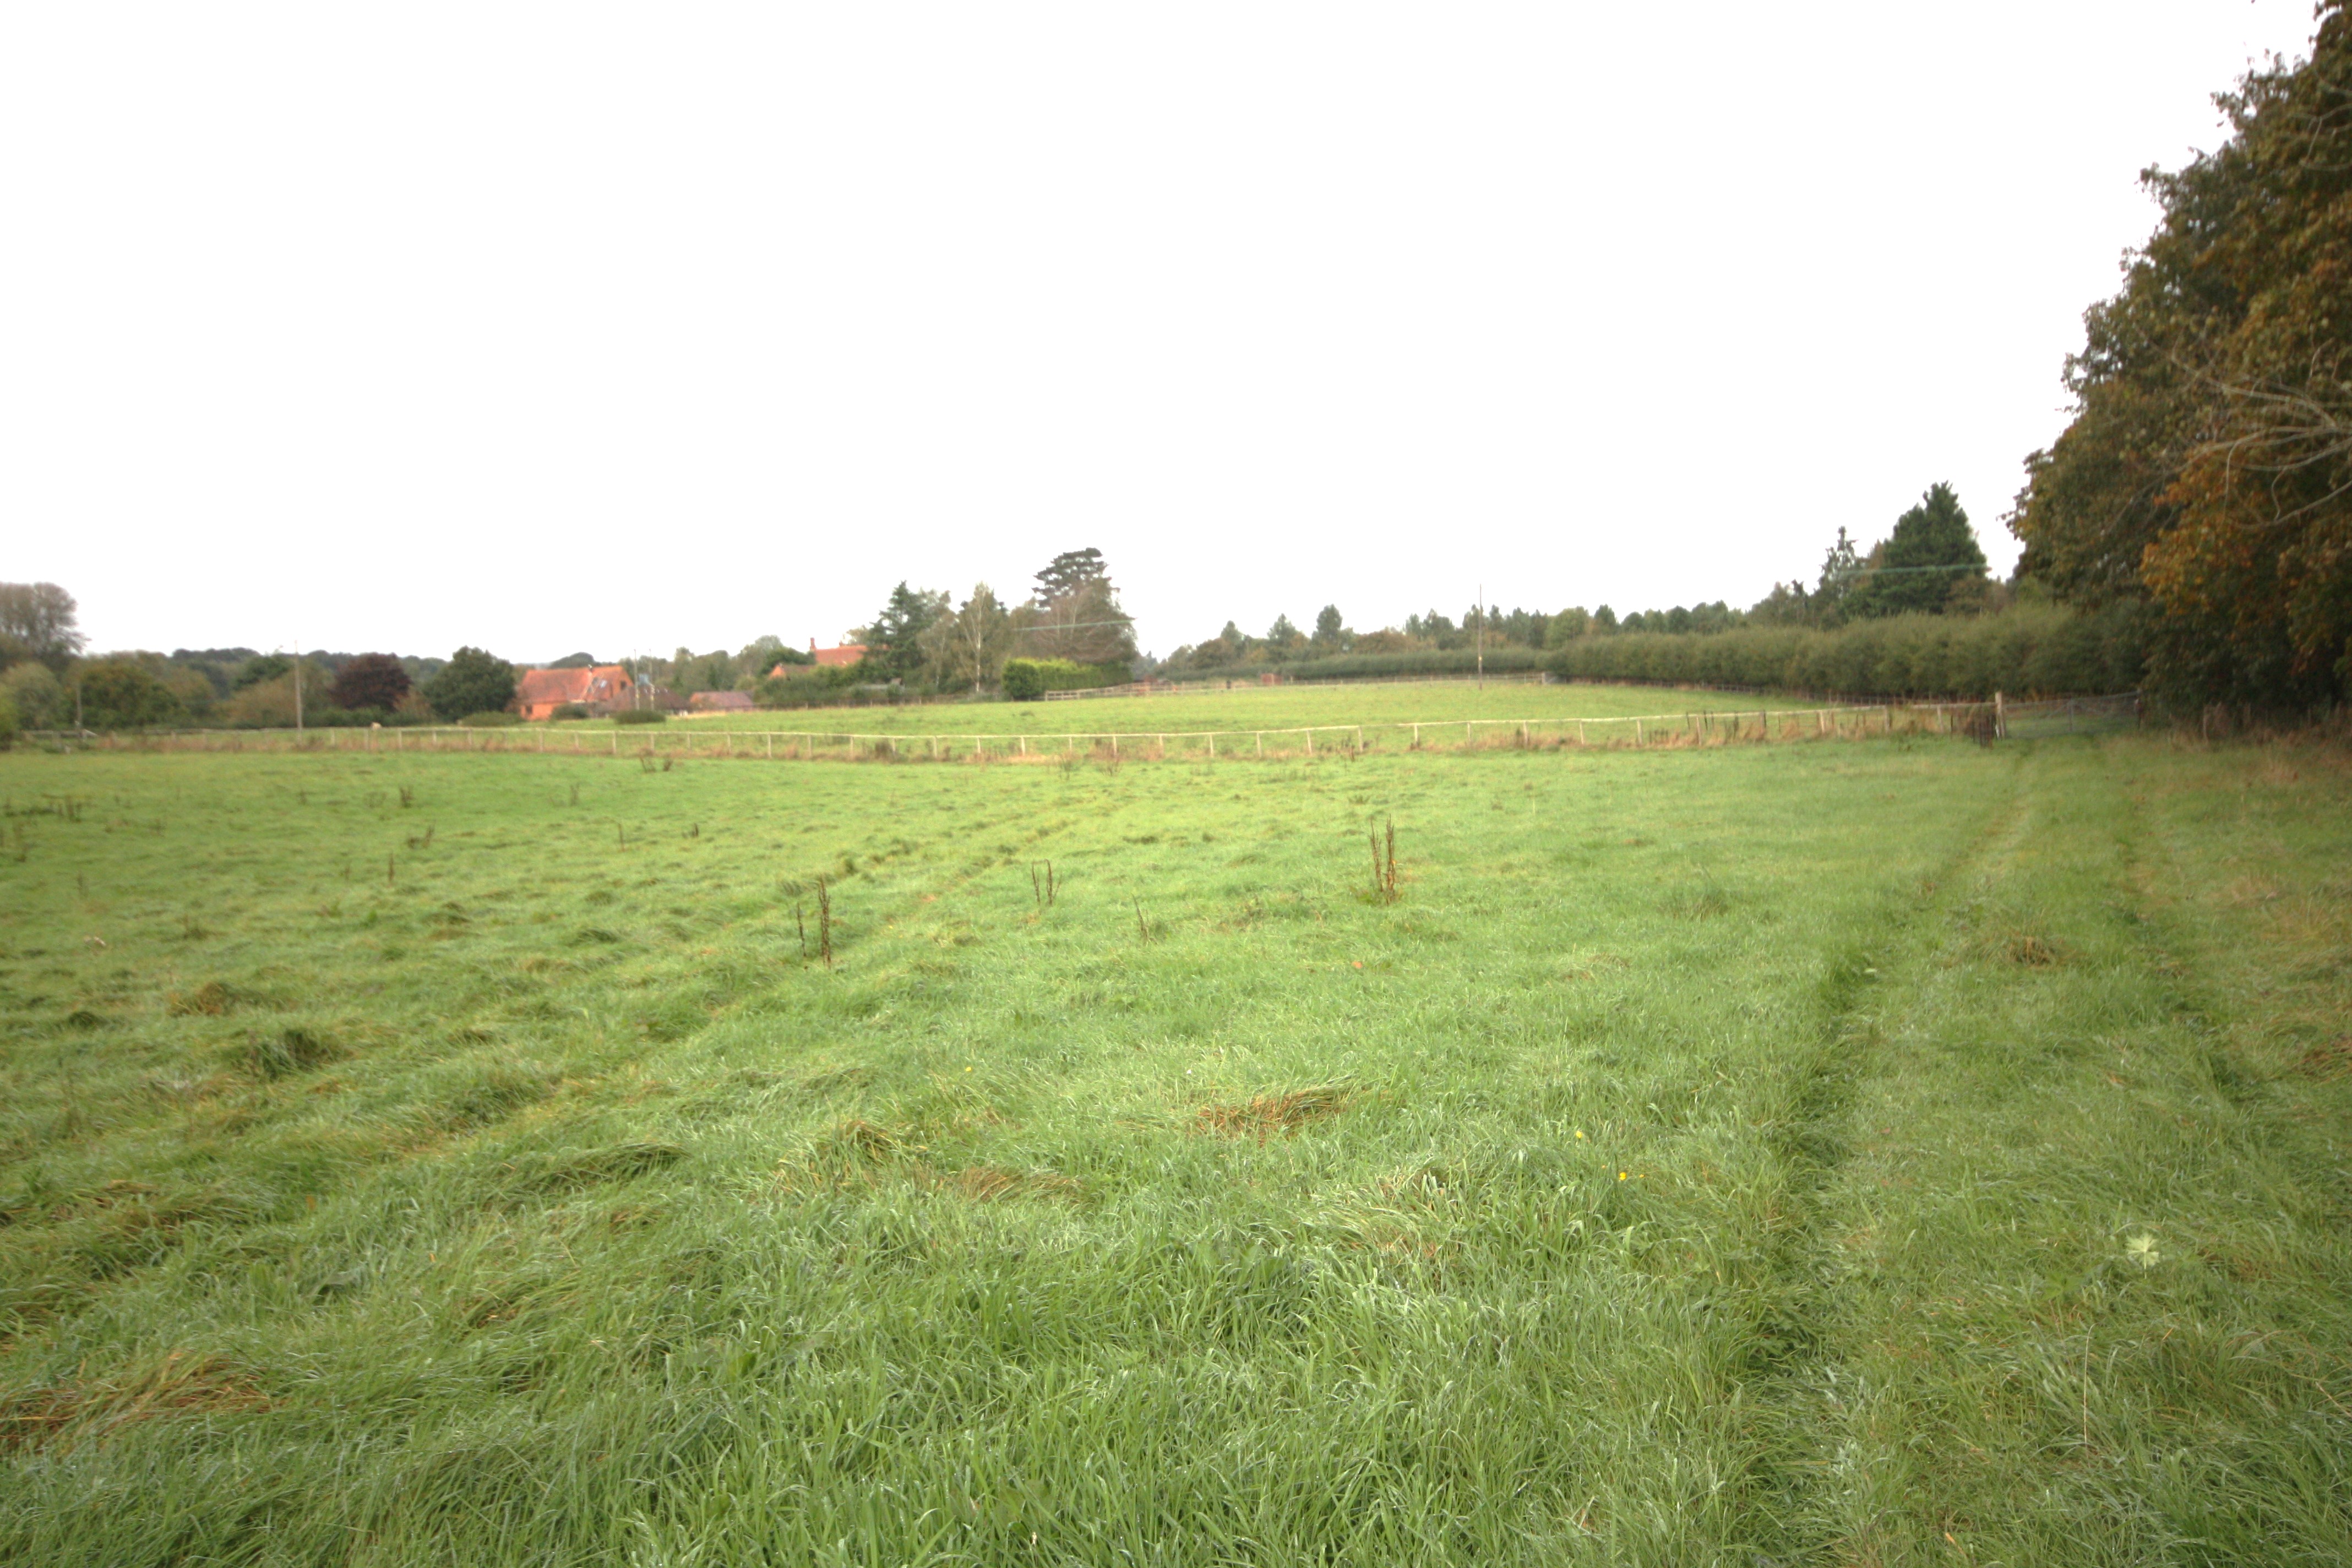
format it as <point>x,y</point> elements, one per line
<point>823,922</point>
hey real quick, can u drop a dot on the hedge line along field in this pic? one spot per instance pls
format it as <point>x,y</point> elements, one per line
<point>1242,709</point>
<point>1904,1152</point>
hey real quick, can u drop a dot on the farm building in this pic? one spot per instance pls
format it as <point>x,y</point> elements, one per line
<point>600,689</point>
<point>720,702</point>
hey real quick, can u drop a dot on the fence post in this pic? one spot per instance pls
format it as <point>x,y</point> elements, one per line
<point>2000,717</point>
<point>1261,743</point>
<point>617,741</point>
<point>1310,742</point>
<point>1580,731</point>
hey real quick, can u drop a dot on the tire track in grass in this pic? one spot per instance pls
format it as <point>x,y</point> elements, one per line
<point>1790,1361</point>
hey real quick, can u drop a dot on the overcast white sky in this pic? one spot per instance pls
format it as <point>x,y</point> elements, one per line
<point>583,326</point>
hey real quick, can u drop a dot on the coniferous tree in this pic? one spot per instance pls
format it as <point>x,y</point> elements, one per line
<point>1931,550</point>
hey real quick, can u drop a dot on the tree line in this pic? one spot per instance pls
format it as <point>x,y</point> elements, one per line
<point>2204,483</point>
<point>1930,563</point>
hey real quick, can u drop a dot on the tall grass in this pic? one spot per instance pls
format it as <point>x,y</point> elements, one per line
<point>551,1206</point>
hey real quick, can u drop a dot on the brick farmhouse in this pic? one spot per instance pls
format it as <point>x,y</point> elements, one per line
<point>601,689</point>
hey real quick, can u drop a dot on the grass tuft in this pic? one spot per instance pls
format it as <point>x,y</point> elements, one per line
<point>1271,1114</point>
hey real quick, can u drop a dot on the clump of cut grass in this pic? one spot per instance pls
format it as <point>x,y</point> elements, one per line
<point>2327,1060</point>
<point>2029,951</point>
<point>290,1051</point>
<point>209,1000</point>
<point>573,1172</point>
<point>1270,1115</point>
<point>985,1184</point>
<point>477,1095</point>
<point>71,1412</point>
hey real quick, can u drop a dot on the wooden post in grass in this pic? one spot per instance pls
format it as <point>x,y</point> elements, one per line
<point>1310,741</point>
<point>1261,744</point>
<point>1580,731</point>
<point>2000,717</point>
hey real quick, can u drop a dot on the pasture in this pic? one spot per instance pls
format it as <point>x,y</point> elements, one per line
<point>1897,1151</point>
<point>1247,708</point>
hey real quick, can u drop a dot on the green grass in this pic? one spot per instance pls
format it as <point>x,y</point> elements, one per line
<point>1886,1152</point>
<point>1251,707</point>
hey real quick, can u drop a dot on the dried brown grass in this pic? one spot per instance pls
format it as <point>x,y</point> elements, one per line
<point>1270,1114</point>
<point>77,1412</point>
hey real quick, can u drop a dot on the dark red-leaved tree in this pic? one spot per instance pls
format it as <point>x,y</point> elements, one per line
<point>370,680</point>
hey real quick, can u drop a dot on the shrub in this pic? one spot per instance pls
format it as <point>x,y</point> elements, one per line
<point>37,697</point>
<point>370,680</point>
<point>639,716</point>
<point>473,681</point>
<point>490,718</point>
<point>2028,650</point>
<point>117,694</point>
<point>569,710</point>
<point>1504,658</point>
<point>1026,679</point>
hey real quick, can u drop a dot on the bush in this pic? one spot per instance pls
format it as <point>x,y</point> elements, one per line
<point>569,710</point>
<point>490,718</point>
<point>473,681</point>
<point>1026,679</point>
<point>9,726</point>
<point>1504,658</point>
<point>117,694</point>
<point>2030,650</point>
<point>35,694</point>
<point>370,680</point>
<point>640,716</point>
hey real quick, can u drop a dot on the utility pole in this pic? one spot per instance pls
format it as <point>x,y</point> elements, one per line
<point>1482,637</point>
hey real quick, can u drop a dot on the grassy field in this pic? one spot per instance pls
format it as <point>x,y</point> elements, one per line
<point>1252,708</point>
<point>1901,1152</point>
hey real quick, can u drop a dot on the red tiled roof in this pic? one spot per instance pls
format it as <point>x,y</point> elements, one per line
<point>847,653</point>
<point>599,683</point>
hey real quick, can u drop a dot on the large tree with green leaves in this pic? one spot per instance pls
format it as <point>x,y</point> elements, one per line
<point>39,620</point>
<point>2208,470</point>
<point>474,681</point>
<point>370,680</point>
<point>1074,612</point>
<point>968,648</point>
<point>122,693</point>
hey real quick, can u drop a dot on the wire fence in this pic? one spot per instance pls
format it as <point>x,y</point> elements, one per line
<point>1996,720</point>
